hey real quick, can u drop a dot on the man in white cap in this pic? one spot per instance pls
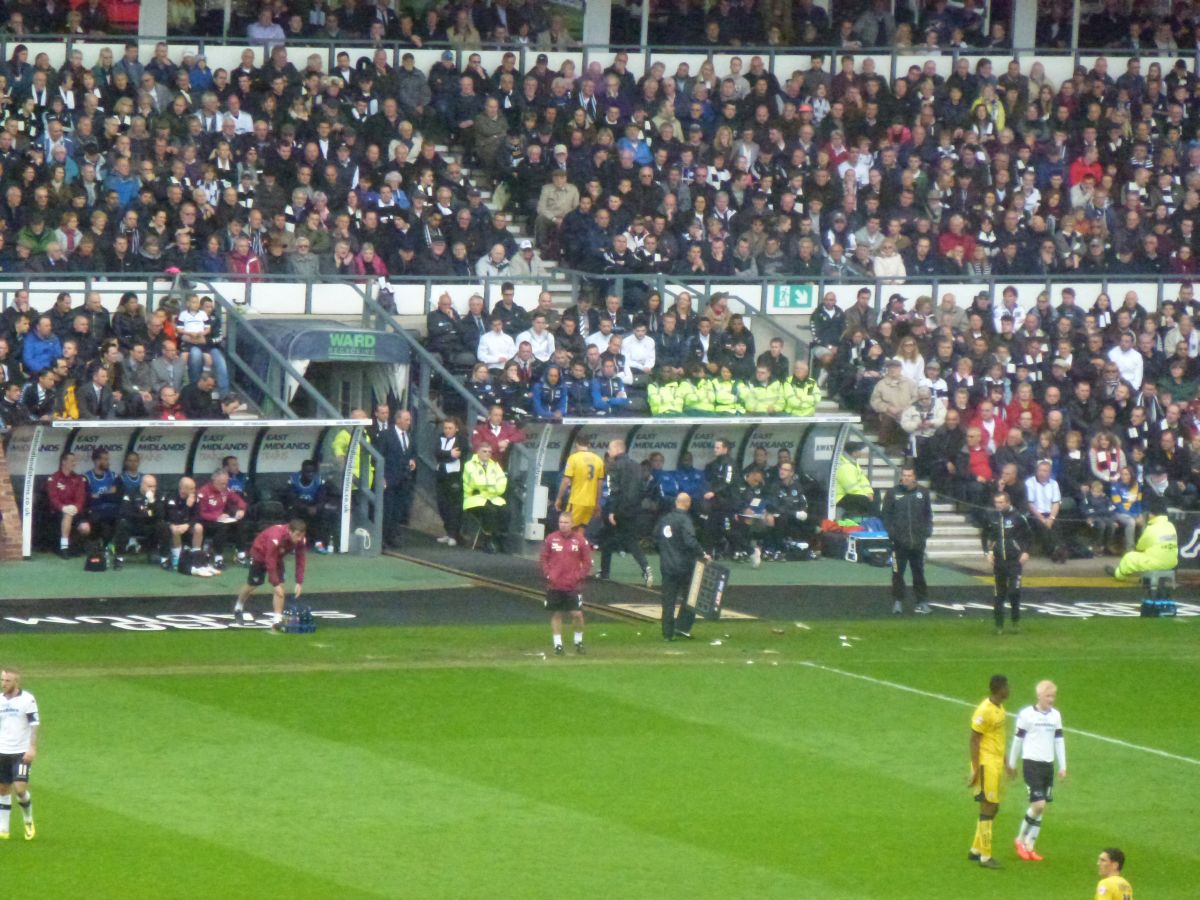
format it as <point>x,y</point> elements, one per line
<point>527,262</point>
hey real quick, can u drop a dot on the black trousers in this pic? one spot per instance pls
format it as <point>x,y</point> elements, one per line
<point>902,558</point>
<point>622,536</point>
<point>1007,575</point>
<point>1049,538</point>
<point>674,594</point>
<point>149,532</point>
<point>488,519</point>
<point>397,503</point>
<point>220,534</point>
<point>449,503</point>
<point>857,506</point>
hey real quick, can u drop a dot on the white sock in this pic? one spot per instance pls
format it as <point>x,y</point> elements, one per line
<point>5,812</point>
<point>26,806</point>
<point>276,617</point>
<point>237,605</point>
<point>64,543</point>
<point>175,554</point>
<point>579,637</point>
<point>558,640</point>
<point>1032,833</point>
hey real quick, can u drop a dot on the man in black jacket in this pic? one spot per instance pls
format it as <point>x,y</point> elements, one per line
<point>141,516</point>
<point>624,477</point>
<point>789,512</point>
<point>722,485</point>
<point>1006,539</point>
<point>908,517</point>
<point>678,551</point>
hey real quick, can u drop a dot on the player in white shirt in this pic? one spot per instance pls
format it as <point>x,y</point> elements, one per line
<point>1038,741</point>
<point>18,746</point>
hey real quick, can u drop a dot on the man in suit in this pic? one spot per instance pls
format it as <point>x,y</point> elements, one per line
<point>96,398</point>
<point>400,477</point>
<point>381,423</point>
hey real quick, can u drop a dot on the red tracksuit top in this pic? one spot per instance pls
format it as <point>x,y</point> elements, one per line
<point>566,560</point>
<point>269,549</point>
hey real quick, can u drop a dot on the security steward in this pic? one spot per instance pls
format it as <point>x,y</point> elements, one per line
<point>1006,539</point>
<point>908,517</point>
<point>678,551</point>
<point>1158,547</point>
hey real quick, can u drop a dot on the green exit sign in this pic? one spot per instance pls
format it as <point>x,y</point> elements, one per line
<point>794,298</point>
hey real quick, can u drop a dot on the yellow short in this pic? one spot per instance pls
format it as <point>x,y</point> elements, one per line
<point>581,515</point>
<point>986,785</point>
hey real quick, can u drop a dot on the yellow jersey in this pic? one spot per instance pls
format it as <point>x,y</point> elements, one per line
<point>989,721</point>
<point>586,471</point>
<point>1114,887</point>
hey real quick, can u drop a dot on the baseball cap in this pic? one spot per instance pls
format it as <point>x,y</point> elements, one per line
<point>543,58</point>
<point>448,54</point>
<point>526,244</point>
<point>560,148</point>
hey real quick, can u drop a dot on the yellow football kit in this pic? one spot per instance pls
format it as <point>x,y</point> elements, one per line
<point>586,471</point>
<point>989,721</point>
<point>1114,887</point>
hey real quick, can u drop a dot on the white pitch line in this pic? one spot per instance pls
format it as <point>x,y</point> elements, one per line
<point>881,682</point>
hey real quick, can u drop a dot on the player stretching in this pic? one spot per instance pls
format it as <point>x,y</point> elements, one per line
<point>566,560</point>
<point>987,762</point>
<point>266,562</point>
<point>582,476</point>
<point>18,747</point>
<point>1038,740</point>
<point>1113,885</point>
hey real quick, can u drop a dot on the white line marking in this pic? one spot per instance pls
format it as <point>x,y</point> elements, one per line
<point>881,682</point>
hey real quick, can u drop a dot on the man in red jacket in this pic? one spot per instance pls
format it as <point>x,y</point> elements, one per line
<point>67,495</point>
<point>497,432</point>
<point>223,514</point>
<point>266,563</point>
<point>566,560</point>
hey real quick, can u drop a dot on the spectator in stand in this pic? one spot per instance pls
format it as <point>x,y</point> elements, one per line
<point>890,397</point>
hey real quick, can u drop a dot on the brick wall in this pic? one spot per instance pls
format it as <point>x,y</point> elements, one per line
<point>10,527</point>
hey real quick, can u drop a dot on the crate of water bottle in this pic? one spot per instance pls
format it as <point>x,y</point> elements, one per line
<point>1155,608</point>
<point>298,620</point>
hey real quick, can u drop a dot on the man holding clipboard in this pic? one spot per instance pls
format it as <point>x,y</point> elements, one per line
<point>678,552</point>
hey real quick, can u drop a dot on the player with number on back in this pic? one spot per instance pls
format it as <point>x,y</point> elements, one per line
<point>583,476</point>
<point>266,562</point>
<point>18,746</point>
<point>1038,741</point>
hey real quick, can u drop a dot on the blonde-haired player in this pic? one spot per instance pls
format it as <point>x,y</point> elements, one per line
<point>18,747</point>
<point>987,762</point>
<point>583,475</point>
<point>1038,741</point>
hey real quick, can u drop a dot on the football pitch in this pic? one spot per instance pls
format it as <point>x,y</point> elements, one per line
<point>458,761</point>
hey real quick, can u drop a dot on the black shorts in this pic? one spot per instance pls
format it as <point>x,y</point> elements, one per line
<point>257,574</point>
<point>1039,778</point>
<point>563,601</point>
<point>13,768</point>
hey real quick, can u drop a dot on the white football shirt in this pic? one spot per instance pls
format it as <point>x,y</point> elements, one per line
<point>18,716</point>
<point>1039,735</point>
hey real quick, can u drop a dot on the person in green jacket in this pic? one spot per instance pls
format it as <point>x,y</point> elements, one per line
<point>664,395</point>
<point>800,392</point>
<point>696,393</point>
<point>852,488</point>
<point>1157,549</point>
<point>762,396</point>
<point>484,484</point>
<point>725,393</point>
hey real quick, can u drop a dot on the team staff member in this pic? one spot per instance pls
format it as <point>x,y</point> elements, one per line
<point>179,513</point>
<point>19,723</point>
<point>582,476</point>
<point>1113,885</point>
<point>908,518</point>
<point>266,563</point>
<point>67,494</point>
<point>987,762</point>
<point>141,517</point>
<point>678,551</point>
<point>1038,741</point>
<point>450,454</point>
<point>566,560</point>
<point>620,511</point>
<point>399,476</point>
<point>723,482</point>
<point>1006,540</point>
<point>215,502</point>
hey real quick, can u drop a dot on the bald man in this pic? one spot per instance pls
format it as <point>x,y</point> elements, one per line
<point>678,551</point>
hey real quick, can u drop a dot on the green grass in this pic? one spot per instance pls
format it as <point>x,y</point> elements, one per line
<point>457,762</point>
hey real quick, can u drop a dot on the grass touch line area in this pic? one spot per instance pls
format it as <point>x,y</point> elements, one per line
<point>470,762</point>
